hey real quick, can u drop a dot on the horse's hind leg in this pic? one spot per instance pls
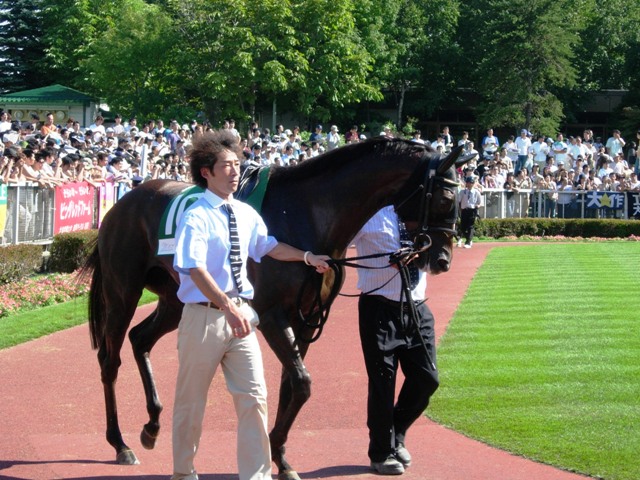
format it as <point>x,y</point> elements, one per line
<point>143,337</point>
<point>109,359</point>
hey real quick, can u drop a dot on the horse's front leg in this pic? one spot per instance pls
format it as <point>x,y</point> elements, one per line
<point>295,387</point>
<point>109,360</point>
<point>143,337</point>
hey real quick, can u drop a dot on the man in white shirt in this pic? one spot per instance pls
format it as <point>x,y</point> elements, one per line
<point>523,143</point>
<point>469,200</point>
<point>560,149</point>
<point>389,338</point>
<point>540,150</point>
<point>615,143</point>
<point>217,327</point>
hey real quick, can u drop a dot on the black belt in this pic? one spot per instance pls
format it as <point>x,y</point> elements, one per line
<point>239,301</point>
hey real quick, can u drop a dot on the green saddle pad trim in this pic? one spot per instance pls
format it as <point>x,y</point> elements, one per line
<point>256,197</point>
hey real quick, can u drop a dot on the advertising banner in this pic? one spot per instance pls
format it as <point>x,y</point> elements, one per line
<point>74,208</point>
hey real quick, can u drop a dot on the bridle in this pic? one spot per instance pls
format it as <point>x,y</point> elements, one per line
<point>431,179</point>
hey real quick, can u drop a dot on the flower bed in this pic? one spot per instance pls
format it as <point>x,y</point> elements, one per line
<point>40,291</point>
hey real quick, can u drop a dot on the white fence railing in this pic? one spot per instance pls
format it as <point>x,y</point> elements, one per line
<point>33,214</point>
<point>559,204</point>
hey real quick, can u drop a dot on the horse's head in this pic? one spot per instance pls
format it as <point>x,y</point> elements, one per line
<point>430,210</point>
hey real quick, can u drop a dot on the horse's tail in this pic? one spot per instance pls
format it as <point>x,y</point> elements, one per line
<point>96,300</point>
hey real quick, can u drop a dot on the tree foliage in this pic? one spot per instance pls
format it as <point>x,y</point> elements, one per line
<point>524,51</point>
<point>20,45</point>
<point>136,61</point>
<point>321,58</point>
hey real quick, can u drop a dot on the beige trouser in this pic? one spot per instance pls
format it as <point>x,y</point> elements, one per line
<point>205,341</point>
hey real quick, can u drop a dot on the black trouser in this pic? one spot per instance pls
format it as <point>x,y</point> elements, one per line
<point>467,223</point>
<point>387,340</point>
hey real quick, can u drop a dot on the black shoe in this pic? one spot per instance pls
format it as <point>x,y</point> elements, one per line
<point>403,455</point>
<point>389,466</point>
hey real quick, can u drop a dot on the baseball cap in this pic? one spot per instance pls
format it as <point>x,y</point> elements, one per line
<point>469,180</point>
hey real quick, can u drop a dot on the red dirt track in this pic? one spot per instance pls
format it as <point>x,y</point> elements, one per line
<point>52,408</point>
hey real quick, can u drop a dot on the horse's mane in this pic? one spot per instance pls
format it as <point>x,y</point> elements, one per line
<point>340,156</point>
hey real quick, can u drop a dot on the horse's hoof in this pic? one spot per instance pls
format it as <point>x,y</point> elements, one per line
<point>147,439</point>
<point>127,457</point>
<point>288,475</point>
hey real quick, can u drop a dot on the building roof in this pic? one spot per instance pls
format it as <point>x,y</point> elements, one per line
<point>48,95</point>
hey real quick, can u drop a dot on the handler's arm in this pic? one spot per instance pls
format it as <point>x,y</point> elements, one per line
<point>286,253</point>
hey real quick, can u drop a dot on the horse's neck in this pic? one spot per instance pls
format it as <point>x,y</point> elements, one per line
<point>340,200</point>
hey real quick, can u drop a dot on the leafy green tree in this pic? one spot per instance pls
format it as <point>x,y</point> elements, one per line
<point>522,53</point>
<point>608,39</point>
<point>135,63</point>
<point>71,28</point>
<point>424,52</point>
<point>339,64</point>
<point>306,56</point>
<point>21,45</point>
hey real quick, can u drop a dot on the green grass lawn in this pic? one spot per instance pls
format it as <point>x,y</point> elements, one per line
<point>542,358</point>
<point>32,324</point>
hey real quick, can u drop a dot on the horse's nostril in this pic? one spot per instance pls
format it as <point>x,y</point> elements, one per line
<point>444,264</point>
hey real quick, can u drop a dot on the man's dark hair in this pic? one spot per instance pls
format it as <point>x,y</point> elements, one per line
<point>206,149</point>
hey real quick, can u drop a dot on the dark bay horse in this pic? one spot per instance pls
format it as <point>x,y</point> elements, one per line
<point>318,205</point>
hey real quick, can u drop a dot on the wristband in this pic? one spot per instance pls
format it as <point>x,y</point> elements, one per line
<point>306,254</point>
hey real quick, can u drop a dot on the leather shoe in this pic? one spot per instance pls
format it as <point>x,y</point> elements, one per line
<point>403,455</point>
<point>390,466</point>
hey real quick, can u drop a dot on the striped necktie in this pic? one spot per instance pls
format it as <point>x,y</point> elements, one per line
<point>234,254</point>
<point>405,241</point>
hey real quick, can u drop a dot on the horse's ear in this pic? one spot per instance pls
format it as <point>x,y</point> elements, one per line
<point>466,158</point>
<point>449,160</point>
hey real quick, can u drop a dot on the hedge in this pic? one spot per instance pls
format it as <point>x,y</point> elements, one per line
<point>19,261</point>
<point>551,227</point>
<point>69,250</point>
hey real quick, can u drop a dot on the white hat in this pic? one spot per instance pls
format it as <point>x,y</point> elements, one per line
<point>334,128</point>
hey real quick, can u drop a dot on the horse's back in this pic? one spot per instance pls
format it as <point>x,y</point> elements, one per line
<point>128,236</point>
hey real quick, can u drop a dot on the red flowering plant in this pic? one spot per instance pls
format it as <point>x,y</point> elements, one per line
<point>40,291</point>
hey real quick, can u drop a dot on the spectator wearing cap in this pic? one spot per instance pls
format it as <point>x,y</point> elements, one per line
<point>316,136</point>
<point>469,200</point>
<point>333,138</point>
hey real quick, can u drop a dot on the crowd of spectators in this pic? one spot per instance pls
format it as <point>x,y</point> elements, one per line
<point>531,164</point>
<point>127,152</point>
<point>46,154</point>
